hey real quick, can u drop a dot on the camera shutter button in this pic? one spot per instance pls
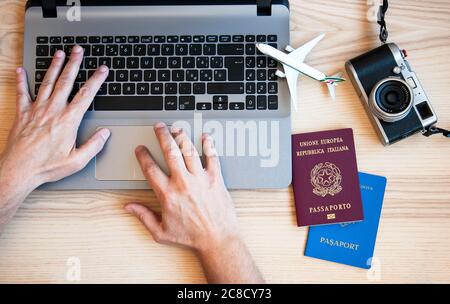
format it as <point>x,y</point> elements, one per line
<point>397,70</point>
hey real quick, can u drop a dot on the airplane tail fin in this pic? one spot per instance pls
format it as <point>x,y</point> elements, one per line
<point>332,82</point>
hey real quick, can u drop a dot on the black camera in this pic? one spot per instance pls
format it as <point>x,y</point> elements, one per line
<point>391,93</point>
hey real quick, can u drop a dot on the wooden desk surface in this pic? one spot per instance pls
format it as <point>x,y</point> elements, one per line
<point>414,236</point>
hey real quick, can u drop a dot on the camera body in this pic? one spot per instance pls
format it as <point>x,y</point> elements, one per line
<point>391,93</point>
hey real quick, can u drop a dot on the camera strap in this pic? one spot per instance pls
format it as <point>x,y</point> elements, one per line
<point>434,130</point>
<point>381,14</point>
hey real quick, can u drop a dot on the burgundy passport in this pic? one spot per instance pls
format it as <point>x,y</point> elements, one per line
<point>325,178</point>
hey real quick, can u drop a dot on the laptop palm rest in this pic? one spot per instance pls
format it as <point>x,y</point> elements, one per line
<point>117,162</point>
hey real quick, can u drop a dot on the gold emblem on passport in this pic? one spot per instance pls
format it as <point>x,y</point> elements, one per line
<point>326,179</point>
<point>331,216</point>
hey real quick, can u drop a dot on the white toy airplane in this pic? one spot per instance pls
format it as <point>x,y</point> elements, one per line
<point>293,66</point>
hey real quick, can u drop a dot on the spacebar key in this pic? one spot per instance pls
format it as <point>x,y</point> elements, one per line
<point>226,88</point>
<point>128,103</point>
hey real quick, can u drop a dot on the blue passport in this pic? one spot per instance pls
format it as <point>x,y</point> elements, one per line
<point>351,243</point>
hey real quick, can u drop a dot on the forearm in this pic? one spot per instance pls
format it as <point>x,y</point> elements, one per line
<point>230,263</point>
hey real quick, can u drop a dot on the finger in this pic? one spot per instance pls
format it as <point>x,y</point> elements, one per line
<point>51,76</point>
<point>156,178</point>
<point>147,217</point>
<point>212,161</point>
<point>188,150</point>
<point>23,92</point>
<point>65,82</point>
<point>83,155</point>
<point>83,99</point>
<point>172,153</point>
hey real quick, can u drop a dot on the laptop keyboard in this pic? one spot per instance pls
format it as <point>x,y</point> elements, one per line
<point>155,73</point>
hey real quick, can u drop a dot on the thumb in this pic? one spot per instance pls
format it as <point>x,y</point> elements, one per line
<point>92,147</point>
<point>147,217</point>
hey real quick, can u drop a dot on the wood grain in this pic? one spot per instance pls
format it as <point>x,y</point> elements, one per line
<point>414,237</point>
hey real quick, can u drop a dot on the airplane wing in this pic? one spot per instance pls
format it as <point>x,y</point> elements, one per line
<point>292,77</point>
<point>301,53</point>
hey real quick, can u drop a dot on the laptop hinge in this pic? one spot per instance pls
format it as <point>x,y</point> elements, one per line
<point>264,7</point>
<point>49,8</point>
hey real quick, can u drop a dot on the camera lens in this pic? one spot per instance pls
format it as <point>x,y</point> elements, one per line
<point>391,99</point>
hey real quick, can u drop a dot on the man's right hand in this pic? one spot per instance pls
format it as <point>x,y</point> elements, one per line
<point>197,211</point>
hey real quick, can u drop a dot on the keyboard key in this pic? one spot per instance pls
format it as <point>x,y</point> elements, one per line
<point>107,39</point>
<point>216,62</point>
<point>206,75</point>
<point>273,102</point>
<point>235,66</point>
<point>126,50</point>
<point>143,89</point>
<point>199,38</point>
<point>54,48</point>
<point>271,75</point>
<point>204,106</point>
<point>188,62</point>
<point>171,88</point>
<point>129,89</point>
<point>272,63</point>
<point>172,39</point>
<point>42,40</point>
<point>186,39</point>
<point>186,103</point>
<point>81,39</point>
<point>272,88</point>
<point>192,75</point>
<point>81,76</point>
<point>68,40</point>
<point>164,75</point>
<point>43,63</point>
<point>55,40</point>
<point>219,99</point>
<point>150,75</point>
<point>122,76</point>
<point>167,49</point>
<point>94,39</point>
<point>140,50</point>
<point>36,89</point>
<point>161,63</point>
<point>261,88</point>
<point>154,50</point>
<point>130,103</point>
<point>171,103</point>
<point>261,38</point>
<point>133,39</point>
<point>42,50</point>
<point>250,62</point>
<point>250,102</point>
<point>90,63</point>
<point>118,62</point>
<point>157,88</point>
<point>250,88</point>
<point>225,38</point>
<point>250,75</point>
<point>115,89</point>
<point>230,49</point>
<point>262,75</point>
<point>202,62</point>
<point>250,49</point>
<point>136,75</point>
<point>98,50</point>
<point>132,63</point>
<point>68,49</point>
<point>238,38</point>
<point>261,102</point>
<point>120,39</point>
<point>112,50</point>
<point>221,106</point>
<point>237,106</point>
<point>185,88</point>
<point>261,62</point>
<point>250,38</point>
<point>39,76</point>
<point>209,49</point>
<point>146,39</point>
<point>272,38</point>
<point>159,39</point>
<point>103,89</point>
<point>199,88</point>
<point>178,75</point>
<point>86,49</point>
<point>220,75</point>
<point>175,62</point>
<point>195,49</point>
<point>212,38</point>
<point>226,88</point>
<point>146,62</point>
<point>181,49</point>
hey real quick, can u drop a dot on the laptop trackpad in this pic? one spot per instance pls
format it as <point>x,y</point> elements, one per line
<point>117,162</point>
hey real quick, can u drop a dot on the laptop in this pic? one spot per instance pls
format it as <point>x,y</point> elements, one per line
<point>190,64</point>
